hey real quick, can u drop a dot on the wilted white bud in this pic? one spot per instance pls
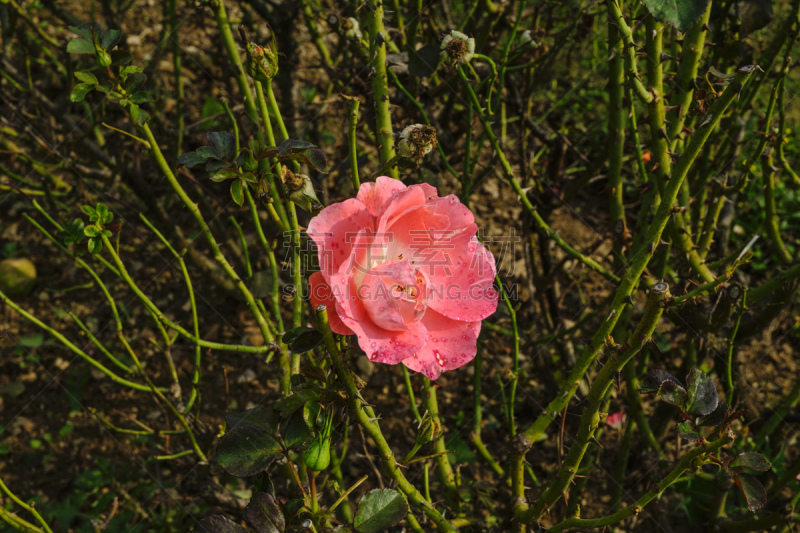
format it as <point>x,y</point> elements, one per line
<point>351,29</point>
<point>457,48</point>
<point>416,141</point>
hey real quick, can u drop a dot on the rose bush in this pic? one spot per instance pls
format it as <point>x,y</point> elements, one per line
<point>403,270</point>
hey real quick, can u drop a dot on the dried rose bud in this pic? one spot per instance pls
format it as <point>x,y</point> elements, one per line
<point>457,48</point>
<point>416,141</point>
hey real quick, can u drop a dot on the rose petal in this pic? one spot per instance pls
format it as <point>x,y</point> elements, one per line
<point>385,346</point>
<point>320,294</point>
<point>334,230</point>
<point>451,344</point>
<point>393,295</point>
<point>375,195</point>
<point>468,294</point>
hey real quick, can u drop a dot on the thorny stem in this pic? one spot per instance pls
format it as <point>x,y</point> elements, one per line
<point>591,413</point>
<point>366,417</point>
<point>477,421</point>
<point>636,508</point>
<point>380,86</point>
<point>444,469</point>
<point>351,141</point>
<point>639,260</point>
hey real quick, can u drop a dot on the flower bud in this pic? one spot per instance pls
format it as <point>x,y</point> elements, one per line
<point>351,28</point>
<point>428,430</point>
<point>317,456</point>
<point>103,57</point>
<point>457,48</point>
<point>416,141</point>
<point>261,64</point>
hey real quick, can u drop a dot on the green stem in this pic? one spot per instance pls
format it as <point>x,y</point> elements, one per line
<point>192,304</point>
<point>380,86</point>
<point>25,506</point>
<point>443,467</point>
<point>411,400</point>
<point>366,418</point>
<point>683,465</point>
<point>351,142</point>
<point>590,417</point>
<point>477,421</point>
<point>615,16</point>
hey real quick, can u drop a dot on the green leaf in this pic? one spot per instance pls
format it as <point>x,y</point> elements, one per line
<point>95,245</point>
<point>673,393</point>
<point>425,61</point>
<point>89,210</point>
<point>86,77</point>
<point>306,341</point>
<point>80,91</point>
<point>127,71</point>
<point>703,398</point>
<point>88,31</point>
<point>191,159</point>
<point>247,161</point>
<point>121,57</point>
<point>297,400</point>
<point>249,177</point>
<point>110,38</point>
<point>295,430</point>
<point>680,14</point>
<point>142,97</point>
<point>80,46</point>
<point>139,115</point>
<point>751,460</point>
<point>218,524</point>
<point>135,81</point>
<point>686,431</point>
<point>654,378</point>
<point>214,166</point>
<point>223,144</point>
<point>264,514</point>
<point>292,146</point>
<point>91,231</point>
<point>237,192</point>
<point>715,417</point>
<point>249,444</point>
<point>207,152</point>
<point>380,509</point>
<point>224,174</point>
<point>752,490</point>
<point>293,333</point>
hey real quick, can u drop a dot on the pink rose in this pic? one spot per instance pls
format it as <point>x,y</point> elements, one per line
<point>403,270</point>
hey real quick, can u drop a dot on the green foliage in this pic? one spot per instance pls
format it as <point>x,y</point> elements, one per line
<point>681,14</point>
<point>380,509</point>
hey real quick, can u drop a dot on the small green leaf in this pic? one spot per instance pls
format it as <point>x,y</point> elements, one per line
<point>295,431</point>
<point>249,444</point>
<point>107,233</point>
<point>218,524</point>
<point>224,174</point>
<point>91,231</point>
<point>380,509</point>
<point>191,159</point>
<point>89,210</point>
<point>752,490</point>
<point>680,14</point>
<point>135,81</point>
<point>715,417</point>
<point>110,38</point>
<point>249,177</point>
<point>237,192</point>
<point>703,396</point>
<point>207,152</point>
<point>687,432</point>
<point>247,161</point>
<point>86,77</point>
<point>139,115</point>
<point>89,31</point>
<point>654,378</point>
<point>292,146</point>
<point>80,91</point>
<point>292,334</point>
<point>306,341</point>
<point>80,46</point>
<point>95,245</point>
<point>751,460</point>
<point>131,69</point>
<point>141,97</point>
<point>264,514</point>
<point>223,144</point>
<point>213,166</point>
<point>121,57</point>
<point>673,393</point>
